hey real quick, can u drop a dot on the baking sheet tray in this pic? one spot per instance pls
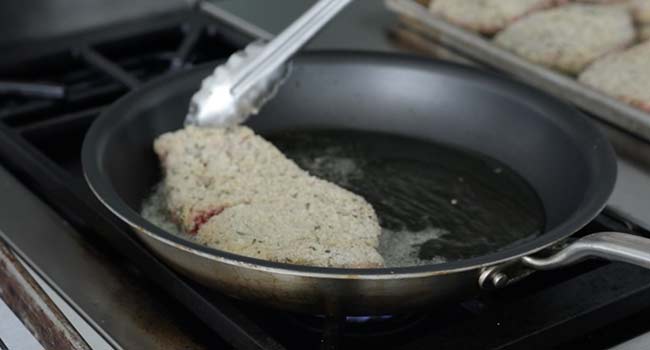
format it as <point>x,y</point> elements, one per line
<point>482,50</point>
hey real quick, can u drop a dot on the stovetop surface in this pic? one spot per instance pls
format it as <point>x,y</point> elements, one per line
<point>48,102</point>
<point>33,22</point>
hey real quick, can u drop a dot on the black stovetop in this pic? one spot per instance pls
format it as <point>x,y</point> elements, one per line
<point>47,102</point>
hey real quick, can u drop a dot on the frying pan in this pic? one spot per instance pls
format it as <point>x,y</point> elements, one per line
<point>565,159</point>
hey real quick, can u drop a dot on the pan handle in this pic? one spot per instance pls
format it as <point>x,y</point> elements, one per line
<point>614,246</point>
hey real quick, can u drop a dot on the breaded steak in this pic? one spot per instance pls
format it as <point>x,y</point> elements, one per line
<point>485,16</point>
<point>233,190</point>
<point>570,37</point>
<point>624,75</point>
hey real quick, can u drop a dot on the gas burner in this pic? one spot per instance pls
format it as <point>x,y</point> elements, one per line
<point>368,319</point>
<point>359,326</point>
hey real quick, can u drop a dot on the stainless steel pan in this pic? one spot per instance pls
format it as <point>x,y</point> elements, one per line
<point>560,153</point>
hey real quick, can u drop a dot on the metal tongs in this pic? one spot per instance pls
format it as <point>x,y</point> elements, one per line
<point>251,77</point>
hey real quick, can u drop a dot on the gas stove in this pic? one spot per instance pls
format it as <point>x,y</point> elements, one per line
<point>48,99</point>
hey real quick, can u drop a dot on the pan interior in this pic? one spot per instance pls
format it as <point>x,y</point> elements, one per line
<point>559,153</point>
<point>435,203</point>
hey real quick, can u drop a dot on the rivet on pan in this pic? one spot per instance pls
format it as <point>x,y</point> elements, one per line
<point>492,278</point>
<point>499,280</point>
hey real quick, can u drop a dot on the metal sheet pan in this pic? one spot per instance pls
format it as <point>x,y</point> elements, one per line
<point>419,19</point>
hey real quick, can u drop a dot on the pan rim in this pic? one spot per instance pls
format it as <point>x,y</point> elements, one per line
<point>595,203</point>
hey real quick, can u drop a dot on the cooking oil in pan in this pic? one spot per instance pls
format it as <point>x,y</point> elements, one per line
<point>434,203</point>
